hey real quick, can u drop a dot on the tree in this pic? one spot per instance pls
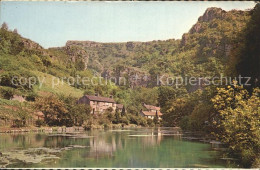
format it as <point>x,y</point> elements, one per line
<point>4,26</point>
<point>22,116</point>
<point>244,58</point>
<point>77,113</point>
<point>123,113</point>
<point>117,117</point>
<point>165,94</point>
<point>177,108</point>
<point>239,124</point>
<point>156,118</point>
<point>53,108</point>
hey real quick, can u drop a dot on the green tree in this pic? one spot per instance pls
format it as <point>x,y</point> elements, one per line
<point>240,122</point>
<point>123,113</point>
<point>244,58</point>
<point>156,118</point>
<point>53,108</point>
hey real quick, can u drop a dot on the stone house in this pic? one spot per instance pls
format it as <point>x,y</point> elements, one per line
<point>150,111</point>
<point>97,103</point>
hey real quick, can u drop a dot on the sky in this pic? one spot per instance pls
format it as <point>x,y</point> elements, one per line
<point>52,24</point>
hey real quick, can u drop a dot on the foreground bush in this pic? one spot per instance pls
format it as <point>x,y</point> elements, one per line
<point>239,124</point>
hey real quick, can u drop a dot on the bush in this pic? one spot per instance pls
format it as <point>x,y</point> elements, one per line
<point>31,96</point>
<point>143,121</point>
<point>39,123</point>
<point>18,123</point>
<point>150,123</point>
<point>7,92</point>
<point>124,120</point>
<point>22,116</point>
<point>199,116</point>
<point>239,124</point>
<point>19,79</point>
<point>185,123</point>
<point>53,108</point>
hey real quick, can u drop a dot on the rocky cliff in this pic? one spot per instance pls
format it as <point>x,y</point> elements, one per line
<point>211,36</point>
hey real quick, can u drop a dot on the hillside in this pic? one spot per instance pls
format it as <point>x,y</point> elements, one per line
<point>220,43</point>
<point>202,51</point>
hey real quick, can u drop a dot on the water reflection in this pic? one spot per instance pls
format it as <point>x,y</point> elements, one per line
<point>146,147</point>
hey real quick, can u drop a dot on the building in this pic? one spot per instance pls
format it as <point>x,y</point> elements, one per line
<point>97,103</point>
<point>150,111</point>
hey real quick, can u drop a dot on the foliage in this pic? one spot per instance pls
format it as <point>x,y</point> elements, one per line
<point>77,113</point>
<point>22,116</point>
<point>7,92</point>
<point>239,121</point>
<point>178,108</point>
<point>39,123</point>
<point>244,58</point>
<point>53,108</point>
<point>204,51</point>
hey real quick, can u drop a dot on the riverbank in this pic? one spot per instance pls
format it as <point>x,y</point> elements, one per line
<point>63,129</point>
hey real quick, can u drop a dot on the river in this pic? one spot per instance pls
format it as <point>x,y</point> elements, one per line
<point>133,148</point>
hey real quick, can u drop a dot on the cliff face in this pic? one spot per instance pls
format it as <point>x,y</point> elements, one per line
<point>31,45</point>
<point>212,13</point>
<point>83,43</point>
<point>216,30</point>
<point>76,54</point>
<point>211,36</point>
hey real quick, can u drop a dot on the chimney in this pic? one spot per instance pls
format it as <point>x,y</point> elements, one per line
<point>111,96</point>
<point>96,94</point>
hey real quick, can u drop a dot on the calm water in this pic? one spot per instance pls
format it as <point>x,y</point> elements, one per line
<point>151,148</point>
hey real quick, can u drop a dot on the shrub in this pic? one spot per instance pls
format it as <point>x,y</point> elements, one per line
<point>22,116</point>
<point>124,120</point>
<point>239,124</point>
<point>7,92</point>
<point>53,108</point>
<point>39,123</point>
<point>31,96</point>
<point>185,123</point>
<point>150,123</point>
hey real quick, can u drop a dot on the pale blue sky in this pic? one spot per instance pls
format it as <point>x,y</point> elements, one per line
<point>51,24</point>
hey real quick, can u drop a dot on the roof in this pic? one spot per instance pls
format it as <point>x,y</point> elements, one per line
<point>147,113</point>
<point>150,107</point>
<point>119,106</point>
<point>100,99</point>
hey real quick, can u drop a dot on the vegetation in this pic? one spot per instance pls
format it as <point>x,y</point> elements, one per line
<point>220,43</point>
<point>239,122</point>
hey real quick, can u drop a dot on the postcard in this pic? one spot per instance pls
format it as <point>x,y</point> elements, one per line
<point>129,84</point>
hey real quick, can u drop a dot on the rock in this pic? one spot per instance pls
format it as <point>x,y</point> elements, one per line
<point>184,39</point>
<point>212,13</point>
<point>18,98</point>
<point>197,28</point>
<point>77,52</point>
<point>31,45</point>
